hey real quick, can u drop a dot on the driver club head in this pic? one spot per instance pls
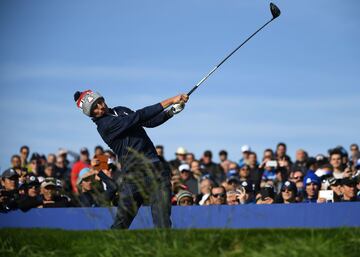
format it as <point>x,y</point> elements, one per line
<point>275,11</point>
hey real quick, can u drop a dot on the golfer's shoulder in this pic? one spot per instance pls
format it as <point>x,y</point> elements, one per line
<point>122,109</point>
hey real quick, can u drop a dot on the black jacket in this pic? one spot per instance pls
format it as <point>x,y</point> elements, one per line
<point>122,130</point>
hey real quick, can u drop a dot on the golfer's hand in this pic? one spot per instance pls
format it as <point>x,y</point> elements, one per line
<point>182,98</point>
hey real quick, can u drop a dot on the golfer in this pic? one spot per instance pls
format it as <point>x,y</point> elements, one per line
<point>145,178</point>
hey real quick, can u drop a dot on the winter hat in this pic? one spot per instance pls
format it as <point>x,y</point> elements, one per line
<point>86,100</point>
<point>181,194</point>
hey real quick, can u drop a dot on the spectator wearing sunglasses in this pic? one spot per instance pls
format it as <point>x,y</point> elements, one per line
<point>218,195</point>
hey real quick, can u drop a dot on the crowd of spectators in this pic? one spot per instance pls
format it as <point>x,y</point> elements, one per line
<point>69,179</point>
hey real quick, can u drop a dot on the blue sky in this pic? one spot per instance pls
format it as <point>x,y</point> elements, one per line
<point>297,81</point>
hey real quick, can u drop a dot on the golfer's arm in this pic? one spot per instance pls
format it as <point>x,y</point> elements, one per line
<point>157,120</point>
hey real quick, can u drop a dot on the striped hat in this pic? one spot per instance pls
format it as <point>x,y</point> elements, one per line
<point>86,100</point>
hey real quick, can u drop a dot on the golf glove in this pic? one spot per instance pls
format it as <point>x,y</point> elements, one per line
<point>176,108</point>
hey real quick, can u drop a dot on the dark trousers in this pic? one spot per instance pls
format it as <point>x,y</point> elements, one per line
<point>144,183</point>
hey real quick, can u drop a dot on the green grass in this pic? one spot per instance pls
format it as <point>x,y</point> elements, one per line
<point>216,242</point>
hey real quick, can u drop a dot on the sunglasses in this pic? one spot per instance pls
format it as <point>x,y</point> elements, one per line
<point>218,195</point>
<point>298,177</point>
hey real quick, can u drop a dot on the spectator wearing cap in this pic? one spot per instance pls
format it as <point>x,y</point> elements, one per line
<point>224,161</point>
<point>9,193</point>
<point>180,158</point>
<point>312,185</point>
<point>266,195</point>
<point>245,150</point>
<point>232,180</point>
<point>300,161</point>
<point>184,198</point>
<point>349,190</point>
<point>48,191</point>
<point>84,162</point>
<point>87,197</point>
<point>218,195</point>
<point>288,193</point>
<point>212,168</point>
<point>335,186</point>
<point>32,198</point>
<point>246,192</point>
<point>188,179</point>
<point>24,155</point>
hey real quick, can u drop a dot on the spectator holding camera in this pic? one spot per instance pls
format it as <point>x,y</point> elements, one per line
<point>188,179</point>
<point>266,195</point>
<point>9,192</point>
<point>87,196</point>
<point>246,192</point>
<point>32,197</point>
<point>106,173</point>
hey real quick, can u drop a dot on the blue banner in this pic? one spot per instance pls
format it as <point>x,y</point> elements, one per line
<point>327,215</point>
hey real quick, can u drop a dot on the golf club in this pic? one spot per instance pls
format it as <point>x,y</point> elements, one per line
<point>275,11</point>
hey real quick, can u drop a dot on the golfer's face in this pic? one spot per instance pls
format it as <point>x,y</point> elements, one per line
<point>100,109</point>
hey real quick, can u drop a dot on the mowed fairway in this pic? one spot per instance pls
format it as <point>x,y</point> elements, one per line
<point>216,242</point>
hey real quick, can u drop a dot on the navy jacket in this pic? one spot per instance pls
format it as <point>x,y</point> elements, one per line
<point>122,130</point>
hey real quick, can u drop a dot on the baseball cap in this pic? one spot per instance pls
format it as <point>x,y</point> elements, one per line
<point>289,185</point>
<point>311,178</point>
<point>50,181</point>
<point>32,181</point>
<point>245,148</point>
<point>181,150</point>
<point>334,182</point>
<point>84,150</point>
<point>232,175</point>
<point>184,167</point>
<point>348,182</point>
<point>247,185</point>
<point>84,173</point>
<point>9,173</point>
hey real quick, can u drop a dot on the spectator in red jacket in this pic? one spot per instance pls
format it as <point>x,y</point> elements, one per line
<point>84,162</point>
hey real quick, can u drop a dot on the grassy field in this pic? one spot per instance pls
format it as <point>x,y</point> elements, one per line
<point>217,242</point>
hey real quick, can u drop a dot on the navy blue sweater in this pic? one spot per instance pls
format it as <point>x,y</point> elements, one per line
<point>122,130</point>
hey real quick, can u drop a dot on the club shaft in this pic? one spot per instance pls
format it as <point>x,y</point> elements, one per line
<point>224,60</point>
